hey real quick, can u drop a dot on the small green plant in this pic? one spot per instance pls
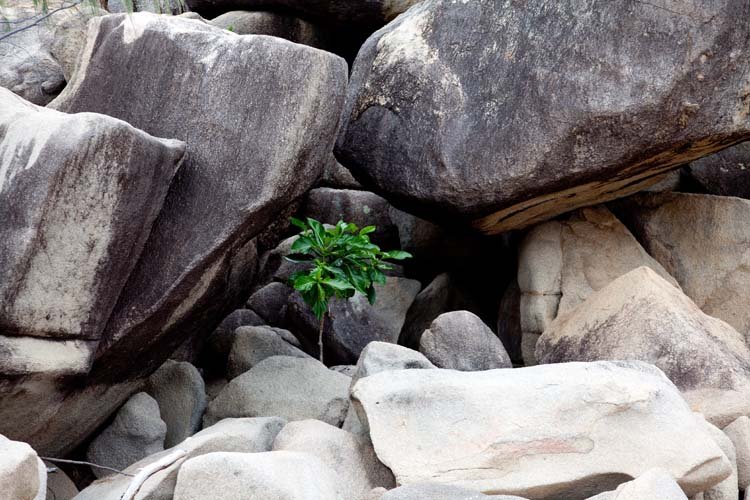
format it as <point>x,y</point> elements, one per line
<point>342,262</point>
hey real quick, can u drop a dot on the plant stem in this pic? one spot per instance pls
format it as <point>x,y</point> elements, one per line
<point>320,335</point>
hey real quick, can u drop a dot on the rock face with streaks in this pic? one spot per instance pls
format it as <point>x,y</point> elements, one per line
<point>512,431</point>
<point>197,263</point>
<point>502,114</point>
<point>641,316</point>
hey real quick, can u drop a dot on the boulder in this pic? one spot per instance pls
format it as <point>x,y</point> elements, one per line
<point>136,432</point>
<point>335,175</point>
<point>370,13</point>
<point>276,475</point>
<point>75,222</point>
<point>36,58</point>
<point>242,435</point>
<point>727,489</point>
<point>459,340</point>
<point>435,299</point>
<point>701,240</point>
<point>726,173</point>
<point>273,24</point>
<point>347,370</point>
<point>178,291</point>
<point>353,323</point>
<point>293,388</point>
<point>739,432</point>
<point>378,357</point>
<point>220,342</point>
<point>178,388</point>
<point>501,115</point>
<point>561,263</point>
<point>655,483</point>
<point>435,491</point>
<point>352,460</point>
<point>270,302</point>
<point>253,344</point>
<point>363,208</point>
<point>568,431</point>
<point>19,471</point>
<point>643,317</point>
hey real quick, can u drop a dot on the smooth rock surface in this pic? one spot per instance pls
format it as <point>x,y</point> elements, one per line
<point>352,459</point>
<point>496,431</point>
<point>59,484</point>
<point>270,302</point>
<point>653,484</point>
<point>253,344</point>
<point>434,491</point>
<point>459,340</point>
<point>178,388</point>
<point>739,432</point>
<point>136,432</point>
<point>242,435</point>
<point>504,114</point>
<point>702,241</point>
<point>220,342</point>
<point>19,471</point>
<point>640,316</point>
<point>292,388</point>
<point>276,475</point>
<point>728,489</point>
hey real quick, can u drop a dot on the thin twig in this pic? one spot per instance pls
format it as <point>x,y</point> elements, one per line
<point>35,23</point>
<point>79,462</point>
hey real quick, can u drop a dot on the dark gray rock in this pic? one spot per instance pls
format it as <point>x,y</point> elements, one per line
<point>459,340</point>
<point>273,24</point>
<point>435,299</point>
<point>335,175</point>
<point>136,432</point>
<point>353,323</point>
<point>363,208</point>
<point>219,344</point>
<point>198,263</point>
<point>178,388</point>
<point>509,322</point>
<point>726,173</point>
<point>338,12</point>
<point>500,114</point>
<point>253,344</point>
<point>270,302</point>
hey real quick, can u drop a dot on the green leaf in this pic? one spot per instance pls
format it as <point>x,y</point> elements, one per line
<point>338,284</point>
<point>298,223</point>
<point>397,255</point>
<point>303,244</point>
<point>318,230</point>
<point>367,230</point>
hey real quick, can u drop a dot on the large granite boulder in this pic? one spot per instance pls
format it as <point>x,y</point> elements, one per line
<point>501,114</point>
<point>562,262</point>
<point>702,241</point>
<point>726,173</point>
<point>641,316</point>
<point>569,430</point>
<point>259,115</point>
